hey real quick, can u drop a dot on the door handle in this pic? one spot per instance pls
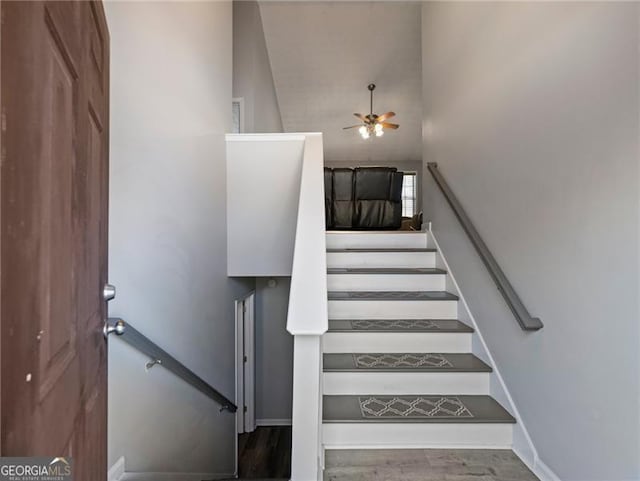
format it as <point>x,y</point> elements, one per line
<point>108,292</point>
<point>113,325</point>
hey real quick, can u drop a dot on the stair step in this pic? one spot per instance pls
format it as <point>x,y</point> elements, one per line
<point>398,325</point>
<point>381,249</point>
<point>385,279</point>
<point>392,304</point>
<point>428,340</point>
<point>386,270</point>
<point>376,239</point>
<point>403,362</point>
<point>391,296</point>
<point>379,257</point>
<point>419,421</point>
<point>444,408</point>
<point>404,373</point>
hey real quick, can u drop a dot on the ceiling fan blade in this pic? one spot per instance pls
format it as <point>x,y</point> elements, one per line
<point>383,117</point>
<point>388,125</point>
<point>361,117</point>
<point>352,127</point>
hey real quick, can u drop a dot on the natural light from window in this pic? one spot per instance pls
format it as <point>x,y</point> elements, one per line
<point>409,194</point>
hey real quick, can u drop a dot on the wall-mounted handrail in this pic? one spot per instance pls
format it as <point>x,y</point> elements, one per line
<point>159,356</point>
<point>527,321</point>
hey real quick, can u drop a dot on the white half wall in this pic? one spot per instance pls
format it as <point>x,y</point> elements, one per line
<point>532,113</point>
<point>263,190</point>
<point>170,108</point>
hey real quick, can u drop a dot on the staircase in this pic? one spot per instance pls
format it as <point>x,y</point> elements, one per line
<point>398,371</point>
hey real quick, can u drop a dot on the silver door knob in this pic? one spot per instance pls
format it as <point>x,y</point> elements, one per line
<point>114,325</point>
<point>108,292</point>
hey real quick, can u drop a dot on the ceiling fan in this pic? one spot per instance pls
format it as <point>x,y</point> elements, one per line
<point>373,124</point>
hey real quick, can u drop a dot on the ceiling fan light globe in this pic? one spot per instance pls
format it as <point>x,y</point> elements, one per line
<point>379,133</point>
<point>365,134</point>
<point>362,130</point>
<point>378,128</point>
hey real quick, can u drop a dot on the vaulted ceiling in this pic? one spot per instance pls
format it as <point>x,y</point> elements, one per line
<point>324,54</point>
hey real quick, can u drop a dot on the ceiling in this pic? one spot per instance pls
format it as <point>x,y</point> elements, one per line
<point>324,54</point>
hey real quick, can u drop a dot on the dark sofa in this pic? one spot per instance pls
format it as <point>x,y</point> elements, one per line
<point>363,198</point>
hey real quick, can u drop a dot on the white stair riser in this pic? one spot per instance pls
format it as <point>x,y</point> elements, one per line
<point>461,383</point>
<point>365,342</point>
<point>376,240</point>
<point>375,309</point>
<point>386,282</point>
<point>381,259</point>
<point>416,435</point>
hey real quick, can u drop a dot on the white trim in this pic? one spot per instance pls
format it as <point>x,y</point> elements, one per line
<point>116,471</point>
<point>541,470</point>
<point>240,102</point>
<point>419,435</point>
<point>405,383</point>
<point>245,372</point>
<point>239,343</point>
<point>264,137</point>
<point>249,367</point>
<point>531,458</point>
<point>152,476</point>
<point>341,447</point>
<point>273,422</point>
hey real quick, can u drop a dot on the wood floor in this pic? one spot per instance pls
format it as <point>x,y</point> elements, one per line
<point>265,453</point>
<point>425,465</point>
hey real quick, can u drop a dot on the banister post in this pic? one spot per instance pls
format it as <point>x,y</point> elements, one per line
<point>306,462</point>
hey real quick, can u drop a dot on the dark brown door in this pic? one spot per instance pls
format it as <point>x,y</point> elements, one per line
<point>53,263</point>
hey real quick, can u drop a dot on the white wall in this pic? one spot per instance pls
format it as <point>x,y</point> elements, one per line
<point>252,78</point>
<point>263,190</point>
<point>531,111</point>
<point>170,106</point>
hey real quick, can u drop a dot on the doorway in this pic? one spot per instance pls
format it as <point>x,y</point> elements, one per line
<point>245,364</point>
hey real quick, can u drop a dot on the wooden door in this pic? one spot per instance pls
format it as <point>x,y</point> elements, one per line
<point>53,216</point>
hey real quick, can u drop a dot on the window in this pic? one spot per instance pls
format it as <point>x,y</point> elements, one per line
<point>238,115</point>
<point>409,194</point>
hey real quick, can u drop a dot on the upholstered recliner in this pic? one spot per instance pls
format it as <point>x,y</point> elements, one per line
<point>363,198</point>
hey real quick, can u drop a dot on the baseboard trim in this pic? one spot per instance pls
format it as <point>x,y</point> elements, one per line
<point>273,422</point>
<point>542,471</point>
<point>341,447</point>
<point>116,471</point>
<point>527,452</point>
<point>174,476</point>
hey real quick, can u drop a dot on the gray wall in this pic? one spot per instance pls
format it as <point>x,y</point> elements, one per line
<point>252,78</point>
<point>274,351</point>
<point>170,106</point>
<point>531,111</point>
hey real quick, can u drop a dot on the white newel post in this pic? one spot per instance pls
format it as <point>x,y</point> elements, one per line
<point>306,464</point>
<point>307,318</point>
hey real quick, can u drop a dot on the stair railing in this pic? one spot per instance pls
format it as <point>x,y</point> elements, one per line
<point>160,357</point>
<point>307,318</point>
<point>525,319</point>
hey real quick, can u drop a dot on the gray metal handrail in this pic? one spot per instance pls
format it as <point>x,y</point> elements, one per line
<point>159,356</point>
<point>527,321</point>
